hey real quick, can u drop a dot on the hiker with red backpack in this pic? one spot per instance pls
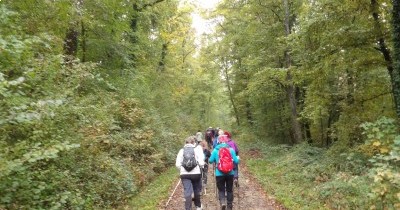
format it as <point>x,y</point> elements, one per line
<point>234,146</point>
<point>189,161</point>
<point>225,158</point>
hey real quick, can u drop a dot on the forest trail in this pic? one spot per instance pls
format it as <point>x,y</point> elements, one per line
<point>249,195</point>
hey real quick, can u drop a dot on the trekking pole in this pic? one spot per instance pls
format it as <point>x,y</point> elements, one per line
<point>239,198</point>
<point>238,187</point>
<point>202,181</point>
<point>215,183</point>
<point>203,184</point>
<point>170,197</point>
<point>206,179</point>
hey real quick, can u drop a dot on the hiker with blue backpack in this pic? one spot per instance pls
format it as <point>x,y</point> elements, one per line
<point>189,161</point>
<point>225,158</point>
<point>217,134</point>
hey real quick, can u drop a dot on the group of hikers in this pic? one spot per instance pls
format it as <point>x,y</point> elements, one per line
<point>214,147</point>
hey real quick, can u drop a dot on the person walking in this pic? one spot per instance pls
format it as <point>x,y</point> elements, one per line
<point>216,139</point>
<point>224,157</point>
<point>234,146</point>
<point>207,155</point>
<point>189,161</point>
<point>199,136</point>
<point>209,136</point>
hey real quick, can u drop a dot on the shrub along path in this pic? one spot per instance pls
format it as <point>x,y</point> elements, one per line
<point>249,195</point>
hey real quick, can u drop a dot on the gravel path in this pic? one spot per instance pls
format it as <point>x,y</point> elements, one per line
<point>248,196</point>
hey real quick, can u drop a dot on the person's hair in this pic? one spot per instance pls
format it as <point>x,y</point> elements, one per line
<point>223,139</point>
<point>190,140</point>
<point>227,134</point>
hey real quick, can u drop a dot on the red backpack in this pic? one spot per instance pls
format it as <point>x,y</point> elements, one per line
<point>225,163</point>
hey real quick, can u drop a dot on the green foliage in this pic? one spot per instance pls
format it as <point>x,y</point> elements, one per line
<point>305,177</point>
<point>341,79</point>
<point>266,99</point>
<point>380,135</point>
<point>384,142</point>
<point>87,135</point>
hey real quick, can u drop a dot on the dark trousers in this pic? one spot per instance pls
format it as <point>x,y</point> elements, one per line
<point>236,170</point>
<point>205,172</point>
<point>225,185</point>
<point>191,184</point>
<point>209,142</point>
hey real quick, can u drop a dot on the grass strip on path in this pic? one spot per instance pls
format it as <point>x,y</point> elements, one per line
<point>157,191</point>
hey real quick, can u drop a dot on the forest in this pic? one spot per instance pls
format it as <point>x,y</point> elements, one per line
<point>97,97</point>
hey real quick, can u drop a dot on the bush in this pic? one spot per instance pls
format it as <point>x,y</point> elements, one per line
<point>67,139</point>
<point>307,177</point>
<point>383,143</point>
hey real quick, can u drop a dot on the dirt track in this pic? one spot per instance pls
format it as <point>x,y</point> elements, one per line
<point>248,196</point>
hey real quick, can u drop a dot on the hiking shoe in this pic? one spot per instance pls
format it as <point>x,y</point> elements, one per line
<point>236,182</point>
<point>198,208</point>
<point>223,206</point>
<point>229,207</point>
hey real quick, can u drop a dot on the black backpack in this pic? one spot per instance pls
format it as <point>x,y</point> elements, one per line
<point>189,160</point>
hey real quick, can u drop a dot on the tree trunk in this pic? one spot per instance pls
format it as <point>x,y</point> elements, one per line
<point>249,116</point>
<point>306,124</point>
<point>321,124</point>
<point>72,36</point>
<point>308,132</point>
<point>394,75</point>
<point>133,37</point>
<point>333,117</point>
<point>70,44</point>
<point>161,64</point>
<point>83,32</point>
<point>296,127</point>
<point>286,135</point>
<point>228,84</point>
<point>137,8</point>
<point>396,49</point>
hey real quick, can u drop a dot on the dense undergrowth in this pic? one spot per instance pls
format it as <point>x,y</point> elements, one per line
<point>307,177</point>
<point>72,137</point>
<point>78,151</point>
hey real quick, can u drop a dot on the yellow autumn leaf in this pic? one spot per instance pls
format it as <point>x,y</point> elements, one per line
<point>376,143</point>
<point>389,174</point>
<point>384,150</point>
<point>397,205</point>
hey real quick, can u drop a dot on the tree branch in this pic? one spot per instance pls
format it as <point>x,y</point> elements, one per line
<point>139,9</point>
<point>374,97</point>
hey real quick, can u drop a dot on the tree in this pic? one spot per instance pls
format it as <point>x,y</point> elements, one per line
<point>121,116</point>
<point>396,43</point>
<point>296,127</point>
